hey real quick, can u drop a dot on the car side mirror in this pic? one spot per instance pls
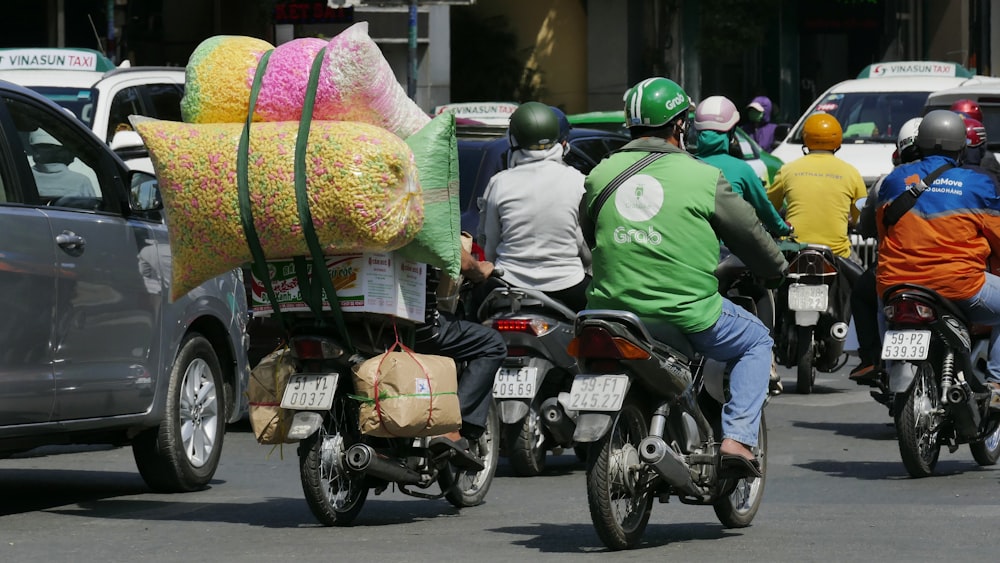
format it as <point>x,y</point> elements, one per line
<point>126,141</point>
<point>145,193</point>
<point>781,131</point>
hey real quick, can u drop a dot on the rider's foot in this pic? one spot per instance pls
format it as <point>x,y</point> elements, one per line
<point>737,461</point>
<point>866,373</point>
<point>461,455</point>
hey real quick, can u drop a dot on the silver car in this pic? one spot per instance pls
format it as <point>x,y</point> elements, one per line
<point>92,350</point>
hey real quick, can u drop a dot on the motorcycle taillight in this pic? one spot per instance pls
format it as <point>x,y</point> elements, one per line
<point>596,342</point>
<point>538,327</point>
<point>315,348</point>
<point>906,311</point>
<point>811,264</point>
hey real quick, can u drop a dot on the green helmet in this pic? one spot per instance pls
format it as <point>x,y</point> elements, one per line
<point>655,102</point>
<point>533,126</point>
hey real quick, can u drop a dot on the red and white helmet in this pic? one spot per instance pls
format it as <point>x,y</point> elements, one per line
<point>716,113</point>
<point>967,108</point>
<point>975,132</point>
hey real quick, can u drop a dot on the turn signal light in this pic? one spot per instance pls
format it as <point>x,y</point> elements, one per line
<point>598,343</point>
<point>315,348</point>
<point>909,312</point>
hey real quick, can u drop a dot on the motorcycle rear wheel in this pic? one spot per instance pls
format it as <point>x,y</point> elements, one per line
<point>806,374</point>
<point>464,488</point>
<point>335,495</point>
<point>738,509</point>
<point>917,422</point>
<point>526,444</point>
<point>987,451</point>
<point>620,501</point>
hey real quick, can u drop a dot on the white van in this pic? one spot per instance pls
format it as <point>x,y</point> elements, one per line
<point>872,107</point>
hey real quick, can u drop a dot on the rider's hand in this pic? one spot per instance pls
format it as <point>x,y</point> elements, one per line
<point>775,282</point>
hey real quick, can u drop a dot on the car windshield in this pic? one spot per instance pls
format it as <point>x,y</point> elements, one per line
<point>80,101</point>
<point>869,117</point>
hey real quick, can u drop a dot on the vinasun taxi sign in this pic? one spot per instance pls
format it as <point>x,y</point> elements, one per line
<point>54,59</point>
<point>915,68</point>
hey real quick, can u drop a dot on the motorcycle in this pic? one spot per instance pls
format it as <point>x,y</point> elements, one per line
<point>339,465</point>
<point>813,311</point>
<point>937,379</point>
<point>535,374</point>
<point>651,411</point>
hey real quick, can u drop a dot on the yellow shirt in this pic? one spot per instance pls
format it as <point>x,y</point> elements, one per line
<point>819,191</point>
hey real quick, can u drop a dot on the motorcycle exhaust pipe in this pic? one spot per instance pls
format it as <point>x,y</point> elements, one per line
<point>667,464</point>
<point>557,422</point>
<point>839,331</point>
<point>363,459</point>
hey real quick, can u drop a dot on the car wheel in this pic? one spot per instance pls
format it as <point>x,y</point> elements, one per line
<point>182,453</point>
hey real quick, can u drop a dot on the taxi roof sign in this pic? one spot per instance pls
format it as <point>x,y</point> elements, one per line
<point>489,113</point>
<point>54,59</point>
<point>915,68</point>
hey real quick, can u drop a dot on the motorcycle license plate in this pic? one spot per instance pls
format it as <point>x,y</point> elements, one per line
<point>515,383</point>
<point>906,344</point>
<point>309,391</point>
<point>598,392</point>
<point>802,297</point>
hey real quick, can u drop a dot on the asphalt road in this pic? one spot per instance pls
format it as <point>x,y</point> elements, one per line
<point>836,491</point>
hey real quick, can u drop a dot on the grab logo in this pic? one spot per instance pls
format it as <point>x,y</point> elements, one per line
<point>639,198</point>
<point>648,236</point>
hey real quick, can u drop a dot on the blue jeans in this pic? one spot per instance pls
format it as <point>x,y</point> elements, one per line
<point>740,340</point>
<point>984,308</point>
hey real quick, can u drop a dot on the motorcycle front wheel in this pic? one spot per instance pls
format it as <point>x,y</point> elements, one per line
<point>918,422</point>
<point>806,365</point>
<point>738,509</point>
<point>526,444</point>
<point>617,487</point>
<point>334,494</point>
<point>464,488</point>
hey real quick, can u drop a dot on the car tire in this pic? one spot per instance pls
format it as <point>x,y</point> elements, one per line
<point>182,453</point>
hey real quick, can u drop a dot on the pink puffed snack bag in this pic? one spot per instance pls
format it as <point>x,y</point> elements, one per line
<point>362,189</point>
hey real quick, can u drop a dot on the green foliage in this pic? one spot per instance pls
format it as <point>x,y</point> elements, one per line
<point>485,62</point>
<point>729,27</point>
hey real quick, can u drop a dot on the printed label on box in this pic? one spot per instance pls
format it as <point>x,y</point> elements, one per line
<point>370,282</point>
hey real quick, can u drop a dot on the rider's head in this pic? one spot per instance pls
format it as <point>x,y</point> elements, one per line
<point>533,126</point>
<point>564,125</point>
<point>657,107</point>
<point>822,132</point>
<point>906,143</point>
<point>968,108</point>
<point>942,132</point>
<point>975,132</point>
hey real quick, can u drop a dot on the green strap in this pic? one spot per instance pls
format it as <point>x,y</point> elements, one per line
<point>259,264</point>
<point>302,200</point>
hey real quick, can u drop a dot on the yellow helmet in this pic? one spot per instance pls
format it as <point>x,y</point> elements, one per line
<point>822,132</point>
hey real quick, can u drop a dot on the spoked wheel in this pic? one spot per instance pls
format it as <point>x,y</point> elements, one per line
<point>617,488</point>
<point>334,494</point>
<point>987,451</point>
<point>806,375</point>
<point>526,444</point>
<point>738,509</point>
<point>918,421</point>
<point>465,488</point>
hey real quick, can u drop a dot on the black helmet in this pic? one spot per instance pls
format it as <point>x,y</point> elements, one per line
<point>534,126</point>
<point>941,132</point>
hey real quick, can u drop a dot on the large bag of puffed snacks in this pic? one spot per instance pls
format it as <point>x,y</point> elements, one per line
<point>356,82</point>
<point>361,184</point>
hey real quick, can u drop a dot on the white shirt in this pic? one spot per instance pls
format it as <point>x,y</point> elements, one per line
<point>529,221</point>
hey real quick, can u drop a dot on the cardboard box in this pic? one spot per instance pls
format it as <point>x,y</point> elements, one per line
<point>365,283</point>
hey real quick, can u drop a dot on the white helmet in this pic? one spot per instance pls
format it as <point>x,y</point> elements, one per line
<point>716,113</point>
<point>908,133</point>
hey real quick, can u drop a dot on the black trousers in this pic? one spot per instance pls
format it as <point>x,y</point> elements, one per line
<point>864,308</point>
<point>482,350</point>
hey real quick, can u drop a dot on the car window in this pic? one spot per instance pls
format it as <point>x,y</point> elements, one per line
<point>869,116</point>
<point>584,154</point>
<point>164,100</point>
<point>80,101</point>
<point>125,103</point>
<point>65,165</point>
